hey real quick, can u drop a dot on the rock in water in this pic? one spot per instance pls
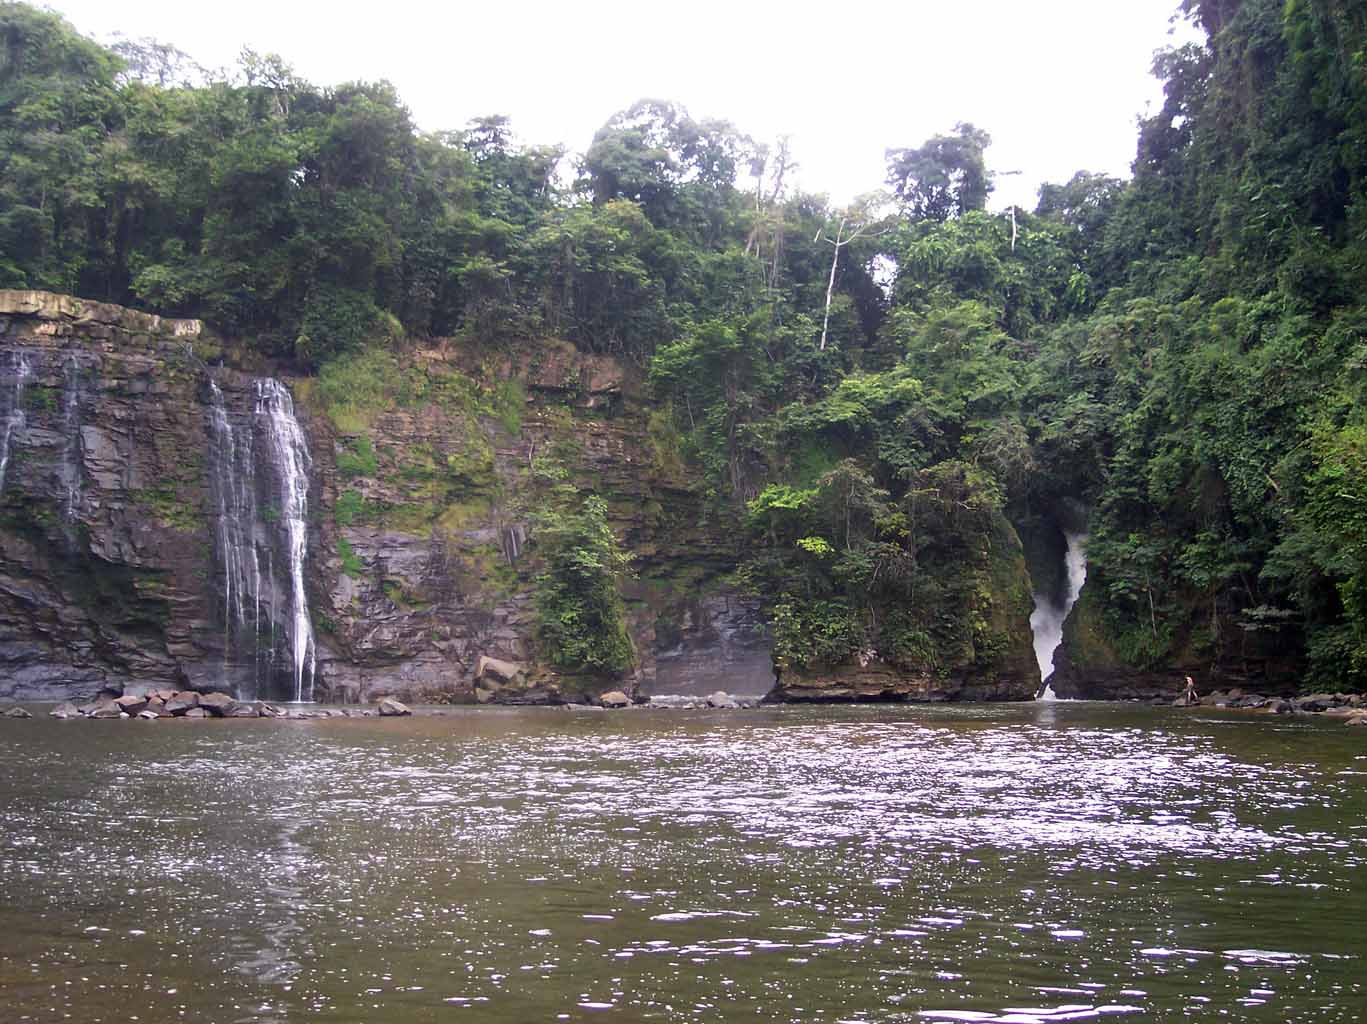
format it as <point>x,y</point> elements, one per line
<point>243,711</point>
<point>216,703</point>
<point>18,713</point>
<point>198,713</point>
<point>131,704</point>
<point>65,711</point>
<point>147,715</point>
<point>615,699</point>
<point>105,711</point>
<point>722,699</point>
<point>391,708</point>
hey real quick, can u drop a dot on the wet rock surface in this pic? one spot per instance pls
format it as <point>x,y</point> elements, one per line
<point>117,572</point>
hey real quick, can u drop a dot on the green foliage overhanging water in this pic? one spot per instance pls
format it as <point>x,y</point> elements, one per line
<point>875,392</point>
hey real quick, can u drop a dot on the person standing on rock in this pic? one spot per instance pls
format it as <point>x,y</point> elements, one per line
<point>1189,697</point>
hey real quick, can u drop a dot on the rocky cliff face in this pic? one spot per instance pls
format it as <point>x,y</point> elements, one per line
<point>148,530</point>
<point>167,519</point>
<point>103,539</point>
<point>429,493</point>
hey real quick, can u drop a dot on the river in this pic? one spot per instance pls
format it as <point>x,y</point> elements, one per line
<point>1009,863</point>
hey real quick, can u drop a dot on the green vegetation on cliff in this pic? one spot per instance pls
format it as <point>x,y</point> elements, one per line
<point>874,392</point>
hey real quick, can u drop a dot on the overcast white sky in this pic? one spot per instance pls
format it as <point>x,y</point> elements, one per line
<point>1058,83</point>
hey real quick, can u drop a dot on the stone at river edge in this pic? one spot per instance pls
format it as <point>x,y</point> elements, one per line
<point>722,699</point>
<point>18,713</point>
<point>216,703</point>
<point>391,708</point>
<point>614,699</point>
<point>65,711</point>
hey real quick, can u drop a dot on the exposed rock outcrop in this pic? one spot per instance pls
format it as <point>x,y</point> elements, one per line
<point>114,572</point>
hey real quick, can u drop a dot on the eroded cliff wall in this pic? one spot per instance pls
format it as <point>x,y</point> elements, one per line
<point>128,558</point>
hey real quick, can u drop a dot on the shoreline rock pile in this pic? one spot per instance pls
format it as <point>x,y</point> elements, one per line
<point>1351,707</point>
<point>151,705</point>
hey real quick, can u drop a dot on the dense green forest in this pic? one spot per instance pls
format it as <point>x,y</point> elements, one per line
<point>874,390</point>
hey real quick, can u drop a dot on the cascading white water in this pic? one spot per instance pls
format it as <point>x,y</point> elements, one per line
<point>259,480</point>
<point>12,418</point>
<point>233,473</point>
<point>1046,621</point>
<point>290,458</point>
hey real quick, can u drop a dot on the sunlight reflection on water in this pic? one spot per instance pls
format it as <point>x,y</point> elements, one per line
<point>872,864</point>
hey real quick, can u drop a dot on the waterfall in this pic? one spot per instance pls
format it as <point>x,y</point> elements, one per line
<point>232,484</point>
<point>289,455</point>
<point>12,417</point>
<point>259,478</point>
<point>1046,621</point>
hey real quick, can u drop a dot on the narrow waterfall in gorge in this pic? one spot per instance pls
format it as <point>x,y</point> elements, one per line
<point>259,479</point>
<point>1051,610</point>
<point>12,418</point>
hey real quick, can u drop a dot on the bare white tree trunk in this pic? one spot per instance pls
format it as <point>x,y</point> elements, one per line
<point>830,285</point>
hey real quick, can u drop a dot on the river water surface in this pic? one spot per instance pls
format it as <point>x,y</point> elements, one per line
<point>1012,863</point>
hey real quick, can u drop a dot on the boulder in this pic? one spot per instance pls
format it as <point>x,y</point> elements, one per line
<point>65,711</point>
<point>178,707</point>
<point>722,699</point>
<point>391,708</point>
<point>189,697</point>
<point>148,715</point>
<point>1358,719</point>
<point>271,711</point>
<point>130,703</point>
<point>198,712</point>
<point>106,711</point>
<point>484,696</point>
<point>217,703</point>
<point>614,699</point>
<point>17,712</point>
<point>243,711</point>
<point>498,670</point>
